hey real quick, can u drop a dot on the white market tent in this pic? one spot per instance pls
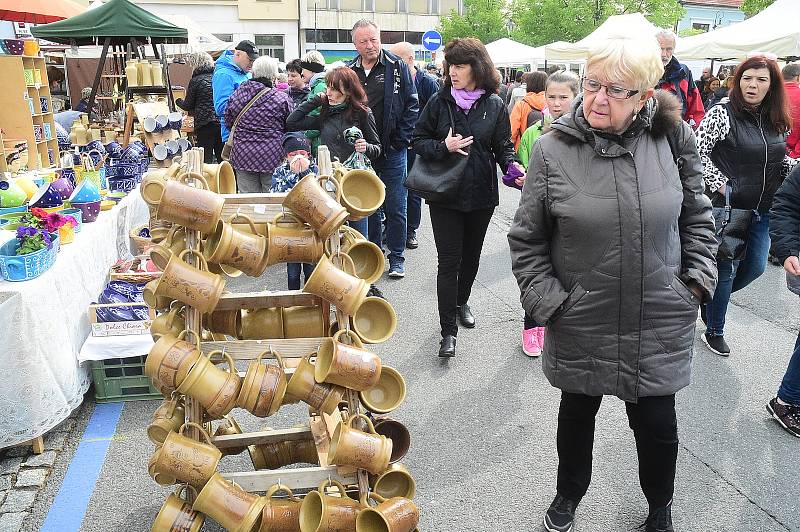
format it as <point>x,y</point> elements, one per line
<point>631,25</point>
<point>776,30</point>
<point>505,52</point>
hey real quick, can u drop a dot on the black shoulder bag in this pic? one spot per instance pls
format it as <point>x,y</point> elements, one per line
<point>731,227</point>
<point>438,181</point>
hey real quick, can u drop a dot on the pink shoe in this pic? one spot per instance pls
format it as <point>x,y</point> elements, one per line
<point>531,345</point>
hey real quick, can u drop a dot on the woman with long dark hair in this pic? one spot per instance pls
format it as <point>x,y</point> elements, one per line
<point>742,145</point>
<point>481,131</point>
<point>343,105</point>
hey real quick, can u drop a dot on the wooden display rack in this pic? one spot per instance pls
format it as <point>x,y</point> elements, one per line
<point>262,208</point>
<point>141,110</point>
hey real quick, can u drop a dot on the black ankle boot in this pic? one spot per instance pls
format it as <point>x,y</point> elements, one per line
<point>447,347</point>
<point>660,519</point>
<point>465,316</point>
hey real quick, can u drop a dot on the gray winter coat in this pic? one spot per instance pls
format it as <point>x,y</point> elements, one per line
<point>607,235</point>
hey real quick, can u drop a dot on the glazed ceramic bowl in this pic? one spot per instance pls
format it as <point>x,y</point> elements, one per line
<point>121,184</point>
<point>114,149</point>
<point>116,197</point>
<point>46,197</point>
<point>12,196</point>
<point>63,186</point>
<point>107,205</point>
<point>85,192</point>
<point>14,46</point>
<point>89,210</point>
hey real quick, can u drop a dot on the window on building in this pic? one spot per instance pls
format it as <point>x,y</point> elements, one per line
<point>227,37</point>
<point>414,37</point>
<point>333,4</point>
<point>271,45</point>
<point>433,7</point>
<point>391,37</point>
<point>702,26</point>
<point>344,36</point>
<point>402,6</point>
<point>368,5</point>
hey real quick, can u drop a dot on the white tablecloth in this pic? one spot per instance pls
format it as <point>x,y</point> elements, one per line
<point>45,322</point>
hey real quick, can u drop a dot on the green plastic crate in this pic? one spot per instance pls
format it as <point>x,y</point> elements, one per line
<point>122,379</point>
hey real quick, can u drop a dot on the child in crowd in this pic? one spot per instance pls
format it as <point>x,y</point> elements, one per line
<point>560,89</point>
<point>296,165</point>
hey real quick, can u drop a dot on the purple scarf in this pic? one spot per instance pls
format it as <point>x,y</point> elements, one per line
<point>464,98</point>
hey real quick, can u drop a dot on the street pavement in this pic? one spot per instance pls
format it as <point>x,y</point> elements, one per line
<point>483,424</point>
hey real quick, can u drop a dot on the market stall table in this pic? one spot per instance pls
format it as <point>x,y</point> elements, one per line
<point>45,324</point>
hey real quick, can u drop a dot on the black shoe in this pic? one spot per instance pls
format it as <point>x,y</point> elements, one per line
<point>787,415</point>
<point>703,315</point>
<point>411,241</point>
<point>659,520</point>
<point>716,343</point>
<point>447,347</point>
<point>375,291</point>
<point>560,517</point>
<point>465,316</point>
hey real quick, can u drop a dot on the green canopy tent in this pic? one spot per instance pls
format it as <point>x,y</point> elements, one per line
<point>117,24</point>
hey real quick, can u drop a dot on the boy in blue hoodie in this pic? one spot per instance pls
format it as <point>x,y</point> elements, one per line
<point>231,70</point>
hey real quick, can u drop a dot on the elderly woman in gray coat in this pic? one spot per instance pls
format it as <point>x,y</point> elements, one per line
<point>613,248</point>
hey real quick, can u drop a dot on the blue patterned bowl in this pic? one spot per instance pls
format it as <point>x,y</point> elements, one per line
<point>47,196</point>
<point>86,191</point>
<point>122,168</point>
<point>121,184</point>
<point>15,267</point>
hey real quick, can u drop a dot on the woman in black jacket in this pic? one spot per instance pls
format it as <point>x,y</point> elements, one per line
<point>742,145</point>
<point>481,132</point>
<point>344,105</point>
<point>199,103</point>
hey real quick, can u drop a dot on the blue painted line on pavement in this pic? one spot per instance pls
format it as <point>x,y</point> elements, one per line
<point>68,509</point>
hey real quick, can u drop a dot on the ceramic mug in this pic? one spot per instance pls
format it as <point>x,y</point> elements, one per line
<point>229,505</point>
<point>224,322</point>
<point>398,433</point>
<point>220,177</point>
<point>264,386</point>
<point>303,322</point>
<point>171,359</point>
<point>388,394</point>
<point>243,250</point>
<point>337,286</point>
<point>396,481</point>
<point>303,387</point>
<point>262,324</point>
<point>196,287</point>
<point>186,459</point>
<point>214,388</point>
<point>294,242</point>
<point>281,514</point>
<point>346,364</point>
<point>169,417</point>
<point>191,207</point>
<point>375,320</point>
<point>313,204</point>
<point>364,450</point>
<point>396,514</point>
<point>177,514</point>
<point>362,193</point>
<point>170,322</point>
<point>321,512</point>
<point>368,258</point>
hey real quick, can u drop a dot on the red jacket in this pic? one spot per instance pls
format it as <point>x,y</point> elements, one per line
<point>793,142</point>
<point>678,80</point>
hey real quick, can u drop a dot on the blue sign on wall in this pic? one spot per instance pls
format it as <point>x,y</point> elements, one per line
<point>432,40</point>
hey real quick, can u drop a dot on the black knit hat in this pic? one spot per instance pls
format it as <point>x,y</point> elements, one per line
<point>295,141</point>
<point>316,68</point>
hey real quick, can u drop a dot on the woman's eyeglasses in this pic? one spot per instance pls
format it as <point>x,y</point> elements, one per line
<point>613,91</point>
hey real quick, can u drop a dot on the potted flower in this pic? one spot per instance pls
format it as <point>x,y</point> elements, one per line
<point>52,222</point>
<point>31,239</point>
<point>29,255</point>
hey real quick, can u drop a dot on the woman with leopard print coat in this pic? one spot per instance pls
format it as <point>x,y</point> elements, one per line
<point>742,145</point>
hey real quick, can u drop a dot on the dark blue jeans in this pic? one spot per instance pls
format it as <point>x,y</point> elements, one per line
<point>362,226</point>
<point>789,391</point>
<point>293,273</point>
<point>392,170</point>
<point>414,203</point>
<point>736,274</point>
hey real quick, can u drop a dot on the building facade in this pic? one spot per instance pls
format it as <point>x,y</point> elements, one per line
<point>708,15</point>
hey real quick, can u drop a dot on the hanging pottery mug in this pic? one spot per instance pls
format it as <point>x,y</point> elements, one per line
<point>191,207</point>
<point>228,427</point>
<point>337,286</point>
<point>396,481</point>
<point>171,322</point>
<point>362,193</point>
<point>175,120</point>
<point>368,258</point>
<point>149,124</point>
<point>169,417</point>
<point>220,177</point>
<point>375,320</point>
<point>313,204</point>
<point>303,322</point>
<point>197,287</point>
<point>364,450</point>
<point>294,242</point>
<point>388,394</point>
<point>398,433</point>
<point>396,514</point>
<point>186,459</point>
<point>245,251</point>
<point>281,514</point>
<point>262,324</point>
<point>212,387</point>
<point>303,387</point>
<point>161,152</point>
<point>177,514</point>
<point>160,478</point>
<point>347,365</point>
<point>321,512</point>
<point>229,505</point>
<point>264,386</point>
<point>156,302</point>
<point>224,322</point>
<point>170,359</point>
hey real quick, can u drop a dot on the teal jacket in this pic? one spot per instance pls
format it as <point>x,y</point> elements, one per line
<point>227,78</point>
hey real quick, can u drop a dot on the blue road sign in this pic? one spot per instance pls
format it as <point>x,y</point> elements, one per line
<point>432,40</point>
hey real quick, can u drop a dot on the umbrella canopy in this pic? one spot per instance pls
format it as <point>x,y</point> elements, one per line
<point>505,52</point>
<point>119,20</point>
<point>630,25</point>
<point>38,11</point>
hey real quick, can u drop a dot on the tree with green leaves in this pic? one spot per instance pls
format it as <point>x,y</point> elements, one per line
<point>751,7</point>
<point>484,19</point>
<point>538,22</point>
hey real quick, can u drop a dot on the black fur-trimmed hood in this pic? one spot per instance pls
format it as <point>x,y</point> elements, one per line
<point>660,115</point>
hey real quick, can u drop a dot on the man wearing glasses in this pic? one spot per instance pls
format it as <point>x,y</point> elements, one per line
<point>678,80</point>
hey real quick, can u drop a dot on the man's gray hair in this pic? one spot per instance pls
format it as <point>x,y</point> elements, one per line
<point>667,34</point>
<point>363,23</point>
<point>791,71</point>
<point>265,67</point>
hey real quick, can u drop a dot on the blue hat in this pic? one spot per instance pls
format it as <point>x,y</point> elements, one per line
<point>295,141</point>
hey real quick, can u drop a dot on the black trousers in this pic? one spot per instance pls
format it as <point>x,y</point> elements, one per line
<point>655,429</point>
<point>210,139</point>
<point>459,239</point>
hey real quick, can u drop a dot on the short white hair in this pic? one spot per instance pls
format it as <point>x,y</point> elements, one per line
<point>265,67</point>
<point>628,60</point>
<point>314,56</point>
<point>667,34</point>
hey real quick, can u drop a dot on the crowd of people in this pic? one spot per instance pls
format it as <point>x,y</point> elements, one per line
<point>646,197</point>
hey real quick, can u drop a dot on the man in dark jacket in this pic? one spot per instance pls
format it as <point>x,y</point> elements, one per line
<point>784,229</point>
<point>426,87</point>
<point>199,103</point>
<point>393,100</point>
<point>678,80</point>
